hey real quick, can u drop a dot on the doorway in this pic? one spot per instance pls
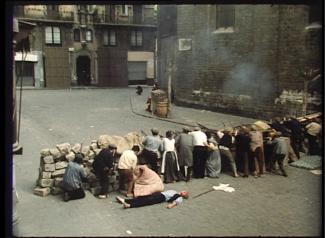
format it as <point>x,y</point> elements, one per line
<point>83,71</point>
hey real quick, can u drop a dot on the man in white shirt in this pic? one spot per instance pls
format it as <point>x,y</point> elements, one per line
<point>200,152</point>
<point>127,163</point>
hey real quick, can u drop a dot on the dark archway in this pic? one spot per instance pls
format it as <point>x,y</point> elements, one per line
<point>83,70</point>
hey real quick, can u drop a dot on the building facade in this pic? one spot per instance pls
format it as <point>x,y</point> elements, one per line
<point>243,59</point>
<point>100,45</point>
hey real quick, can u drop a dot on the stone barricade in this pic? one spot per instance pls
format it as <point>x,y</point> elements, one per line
<point>53,162</point>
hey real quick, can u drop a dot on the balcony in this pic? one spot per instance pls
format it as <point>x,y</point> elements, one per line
<point>36,13</point>
<point>104,18</point>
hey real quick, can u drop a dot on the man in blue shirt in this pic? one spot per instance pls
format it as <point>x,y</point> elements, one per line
<point>172,197</point>
<point>73,177</point>
<point>152,144</point>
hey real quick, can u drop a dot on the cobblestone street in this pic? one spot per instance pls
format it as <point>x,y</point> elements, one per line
<point>268,206</point>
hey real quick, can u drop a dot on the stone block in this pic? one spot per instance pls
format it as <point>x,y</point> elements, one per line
<point>58,181</point>
<point>58,173</point>
<point>64,148</point>
<point>96,151</point>
<point>85,150</point>
<point>48,159</point>
<point>42,191</point>
<point>61,165</point>
<point>56,190</point>
<point>91,155</point>
<point>76,148</point>
<point>45,175</point>
<point>49,167</point>
<point>46,183</point>
<point>55,152</point>
<point>94,146</point>
<point>45,152</point>
<point>70,156</point>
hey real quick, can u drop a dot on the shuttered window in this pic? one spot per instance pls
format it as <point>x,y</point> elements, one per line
<point>136,38</point>
<point>52,35</point>
<point>109,37</point>
<point>225,16</point>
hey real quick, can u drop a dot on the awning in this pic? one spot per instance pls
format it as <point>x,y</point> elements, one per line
<point>29,57</point>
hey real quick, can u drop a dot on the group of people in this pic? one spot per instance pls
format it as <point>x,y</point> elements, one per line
<point>193,154</point>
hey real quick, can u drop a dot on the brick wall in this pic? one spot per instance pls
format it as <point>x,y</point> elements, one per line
<point>242,72</point>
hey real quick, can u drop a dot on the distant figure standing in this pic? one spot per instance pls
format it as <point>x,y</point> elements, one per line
<point>139,90</point>
<point>72,180</point>
<point>213,163</point>
<point>184,143</point>
<point>200,152</point>
<point>155,85</point>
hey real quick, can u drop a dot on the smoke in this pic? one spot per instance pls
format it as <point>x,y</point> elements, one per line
<point>249,78</point>
<point>244,73</point>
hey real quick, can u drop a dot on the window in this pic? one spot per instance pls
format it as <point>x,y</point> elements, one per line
<point>53,7</point>
<point>52,35</point>
<point>125,11</point>
<point>109,37</point>
<point>89,36</point>
<point>82,19</point>
<point>136,38</point>
<point>315,14</point>
<point>225,16</point>
<point>76,35</point>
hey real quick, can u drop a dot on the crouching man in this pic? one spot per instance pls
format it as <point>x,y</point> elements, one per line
<point>73,178</point>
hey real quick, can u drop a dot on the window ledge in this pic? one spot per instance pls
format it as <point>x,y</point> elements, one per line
<point>224,30</point>
<point>314,25</point>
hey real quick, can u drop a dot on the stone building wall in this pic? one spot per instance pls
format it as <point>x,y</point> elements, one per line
<point>243,71</point>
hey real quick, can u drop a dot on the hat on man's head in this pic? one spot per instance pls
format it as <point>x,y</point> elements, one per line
<point>186,129</point>
<point>155,131</point>
<point>78,158</point>
<point>227,129</point>
<point>197,128</point>
<point>112,146</point>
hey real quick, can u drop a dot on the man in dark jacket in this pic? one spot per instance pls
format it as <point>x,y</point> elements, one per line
<point>296,130</point>
<point>242,140</point>
<point>73,177</point>
<point>225,145</point>
<point>103,162</point>
<point>280,150</point>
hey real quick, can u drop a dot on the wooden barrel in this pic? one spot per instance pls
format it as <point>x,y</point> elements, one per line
<point>162,109</point>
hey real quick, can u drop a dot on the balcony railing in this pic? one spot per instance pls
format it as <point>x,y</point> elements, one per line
<point>103,18</point>
<point>35,13</point>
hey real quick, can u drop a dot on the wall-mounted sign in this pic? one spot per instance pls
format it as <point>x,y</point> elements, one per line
<point>184,44</point>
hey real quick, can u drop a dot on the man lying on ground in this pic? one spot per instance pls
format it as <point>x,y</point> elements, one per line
<point>172,197</point>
